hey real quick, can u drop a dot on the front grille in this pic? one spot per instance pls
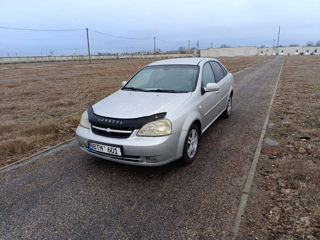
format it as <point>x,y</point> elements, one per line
<point>111,132</point>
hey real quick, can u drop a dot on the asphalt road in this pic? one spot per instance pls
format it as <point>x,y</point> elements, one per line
<point>70,195</point>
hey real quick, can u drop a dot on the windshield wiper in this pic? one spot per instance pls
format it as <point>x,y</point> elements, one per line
<point>165,90</point>
<point>154,90</point>
<point>135,89</point>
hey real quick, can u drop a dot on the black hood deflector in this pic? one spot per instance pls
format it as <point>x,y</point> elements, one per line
<point>122,123</point>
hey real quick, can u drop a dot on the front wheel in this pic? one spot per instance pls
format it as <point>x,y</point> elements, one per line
<point>227,112</point>
<point>191,145</point>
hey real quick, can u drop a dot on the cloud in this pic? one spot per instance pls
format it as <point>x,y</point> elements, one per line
<point>235,22</point>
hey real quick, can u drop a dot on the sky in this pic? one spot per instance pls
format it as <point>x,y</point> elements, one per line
<point>133,24</point>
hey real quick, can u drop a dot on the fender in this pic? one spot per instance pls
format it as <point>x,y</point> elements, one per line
<point>194,116</point>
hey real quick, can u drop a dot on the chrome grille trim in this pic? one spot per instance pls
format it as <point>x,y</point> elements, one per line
<point>110,130</point>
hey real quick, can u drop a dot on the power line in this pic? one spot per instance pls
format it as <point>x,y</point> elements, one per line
<point>42,30</point>
<point>116,36</point>
<point>171,41</point>
<point>160,39</point>
<point>76,29</point>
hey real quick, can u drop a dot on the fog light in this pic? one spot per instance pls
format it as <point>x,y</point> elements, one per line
<point>151,159</point>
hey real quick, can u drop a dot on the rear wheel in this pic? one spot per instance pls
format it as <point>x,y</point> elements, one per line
<point>190,149</point>
<point>227,112</point>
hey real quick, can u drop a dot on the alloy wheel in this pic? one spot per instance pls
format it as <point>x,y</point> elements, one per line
<point>192,143</point>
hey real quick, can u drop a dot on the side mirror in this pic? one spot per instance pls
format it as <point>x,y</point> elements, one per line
<point>212,87</point>
<point>123,83</point>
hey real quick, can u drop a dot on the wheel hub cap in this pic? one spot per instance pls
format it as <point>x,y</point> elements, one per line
<point>192,143</point>
<point>229,106</point>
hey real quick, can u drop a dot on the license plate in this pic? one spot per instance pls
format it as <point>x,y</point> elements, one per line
<point>112,150</point>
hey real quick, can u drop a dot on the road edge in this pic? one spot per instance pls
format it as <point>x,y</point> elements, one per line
<point>35,156</point>
<point>252,170</point>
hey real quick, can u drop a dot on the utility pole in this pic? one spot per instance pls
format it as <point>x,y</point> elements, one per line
<point>198,44</point>
<point>278,37</point>
<point>274,41</point>
<point>88,45</point>
<point>154,45</point>
<point>189,45</point>
<point>211,45</point>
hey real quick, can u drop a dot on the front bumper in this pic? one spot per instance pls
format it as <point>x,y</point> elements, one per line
<point>143,151</point>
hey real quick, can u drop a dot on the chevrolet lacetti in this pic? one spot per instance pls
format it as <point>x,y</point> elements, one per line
<point>159,115</point>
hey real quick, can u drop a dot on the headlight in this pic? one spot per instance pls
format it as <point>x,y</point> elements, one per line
<point>84,120</point>
<point>156,128</point>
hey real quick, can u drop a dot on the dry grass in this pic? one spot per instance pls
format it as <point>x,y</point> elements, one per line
<point>15,146</point>
<point>285,200</point>
<point>40,103</point>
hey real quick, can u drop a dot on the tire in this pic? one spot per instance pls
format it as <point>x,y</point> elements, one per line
<point>191,145</point>
<point>228,110</point>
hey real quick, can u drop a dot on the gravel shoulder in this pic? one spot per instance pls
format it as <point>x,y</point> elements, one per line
<point>284,202</point>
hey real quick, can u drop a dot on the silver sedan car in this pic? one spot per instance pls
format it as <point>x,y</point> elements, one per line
<point>159,115</point>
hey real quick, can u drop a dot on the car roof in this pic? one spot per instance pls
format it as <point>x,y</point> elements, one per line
<point>183,61</point>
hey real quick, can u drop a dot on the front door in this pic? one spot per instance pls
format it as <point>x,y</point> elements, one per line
<point>222,80</point>
<point>209,100</point>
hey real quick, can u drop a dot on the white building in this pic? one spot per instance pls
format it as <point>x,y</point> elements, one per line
<point>267,51</point>
<point>300,50</point>
<point>253,51</point>
<point>229,52</point>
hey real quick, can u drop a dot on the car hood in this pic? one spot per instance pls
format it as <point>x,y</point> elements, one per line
<point>134,104</point>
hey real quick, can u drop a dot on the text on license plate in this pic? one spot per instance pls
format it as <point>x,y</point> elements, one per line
<point>105,148</point>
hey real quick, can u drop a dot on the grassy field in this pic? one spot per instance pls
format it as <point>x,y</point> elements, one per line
<point>40,103</point>
<point>284,202</point>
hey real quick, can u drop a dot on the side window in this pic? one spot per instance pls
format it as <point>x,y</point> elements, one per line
<point>224,70</point>
<point>218,72</point>
<point>207,75</point>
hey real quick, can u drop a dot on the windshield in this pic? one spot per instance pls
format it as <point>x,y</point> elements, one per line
<point>165,78</point>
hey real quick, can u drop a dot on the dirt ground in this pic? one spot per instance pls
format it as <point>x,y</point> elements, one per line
<point>284,202</point>
<point>41,103</point>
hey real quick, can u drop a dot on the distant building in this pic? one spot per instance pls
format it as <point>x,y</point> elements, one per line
<point>229,52</point>
<point>266,51</point>
<point>289,51</point>
<point>253,51</point>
